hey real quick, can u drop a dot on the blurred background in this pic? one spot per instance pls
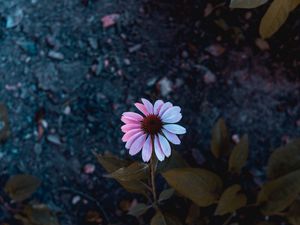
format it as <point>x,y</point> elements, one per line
<point>69,68</point>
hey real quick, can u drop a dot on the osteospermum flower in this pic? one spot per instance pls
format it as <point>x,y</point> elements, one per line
<point>153,130</point>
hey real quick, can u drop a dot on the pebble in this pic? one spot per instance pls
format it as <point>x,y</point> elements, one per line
<point>209,77</point>
<point>135,48</point>
<point>67,110</point>
<point>165,86</point>
<point>53,138</point>
<point>235,138</point>
<point>93,43</point>
<point>76,199</point>
<point>14,19</point>
<point>89,168</point>
<point>55,55</point>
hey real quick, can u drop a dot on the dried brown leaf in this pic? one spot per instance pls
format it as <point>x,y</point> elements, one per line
<point>21,186</point>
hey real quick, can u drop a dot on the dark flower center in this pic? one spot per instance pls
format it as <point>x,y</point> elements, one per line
<point>152,124</point>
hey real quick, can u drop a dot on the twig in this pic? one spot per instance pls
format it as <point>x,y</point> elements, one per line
<point>228,219</point>
<point>88,197</point>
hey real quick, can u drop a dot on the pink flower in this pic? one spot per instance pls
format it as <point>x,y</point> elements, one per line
<point>153,130</point>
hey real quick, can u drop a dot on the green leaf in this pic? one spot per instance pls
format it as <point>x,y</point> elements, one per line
<point>239,155</point>
<point>278,194</point>
<point>135,171</point>
<point>246,4</point>
<point>166,194</point>
<point>275,16</point>
<point>231,200</point>
<point>112,163</point>
<point>4,123</point>
<point>21,187</point>
<point>139,209</point>
<point>160,219</point>
<point>284,160</point>
<point>174,161</point>
<point>201,186</point>
<point>220,139</point>
<point>293,215</point>
<point>38,214</point>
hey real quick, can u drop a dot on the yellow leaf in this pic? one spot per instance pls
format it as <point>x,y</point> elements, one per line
<point>38,214</point>
<point>112,164</point>
<point>220,139</point>
<point>246,4</point>
<point>277,195</point>
<point>275,16</point>
<point>231,200</point>
<point>284,160</point>
<point>239,155</point>
<point>21,187</point>
<point>161,219</point>
<point>201,186</point>
<point>135,171</point>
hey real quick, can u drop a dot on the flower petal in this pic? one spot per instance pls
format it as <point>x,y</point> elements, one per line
<point>157,106</point>
<point>137,145</point>
<point>173,138</point>
<point>129,121</point>
<point>157,149</point>
<point>173,119</point>
<point>132,139</point>
<point>142,108</point>
<point>148,105</point>
<point>175,128</point>
<point>147,149</point>
<point>129,134</point>
<point>164,145</point>
<point>127,127</point>
<point>171,112</point>
<point>133,116</point>
<point>164,107</point>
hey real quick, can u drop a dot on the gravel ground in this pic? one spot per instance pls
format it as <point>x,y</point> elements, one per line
<point>66,79</point>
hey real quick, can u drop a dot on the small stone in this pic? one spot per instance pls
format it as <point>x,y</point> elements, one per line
<point>165,86</point>
<point>67,110</point>
<point>89,168</point>
<point>55,55</point>
<point>14,19</point>
<point>76,199</point>
<point>53,138</point>
<point>235,138</point>
<point>215,50</point>
<point>29,47</point>
<point>135,48</point>
<point>93,43</point>
<point>110,20</point>
<point>209,77</point>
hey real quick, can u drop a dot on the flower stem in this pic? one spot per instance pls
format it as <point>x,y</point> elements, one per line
<point>153,186</point>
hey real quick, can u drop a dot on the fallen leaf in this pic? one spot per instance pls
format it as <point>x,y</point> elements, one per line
<point>110,20</point>
<point>22,186</point>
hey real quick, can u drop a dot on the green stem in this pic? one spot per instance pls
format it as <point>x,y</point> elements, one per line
<point>153,186</point>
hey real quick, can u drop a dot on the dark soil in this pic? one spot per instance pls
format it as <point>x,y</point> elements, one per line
<point>66,80</point>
